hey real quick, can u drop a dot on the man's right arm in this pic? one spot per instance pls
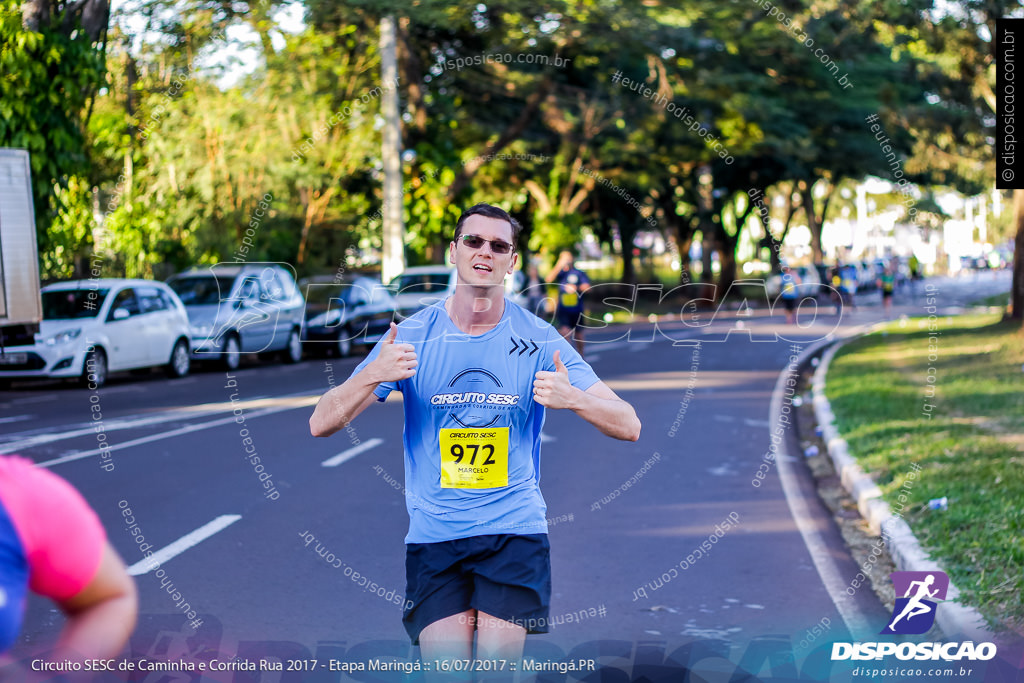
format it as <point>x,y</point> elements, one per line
<point>342,404</point>
<point>339,406</point>
<point>556,270</point>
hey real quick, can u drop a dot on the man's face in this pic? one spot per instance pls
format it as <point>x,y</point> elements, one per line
<point>482,266</point>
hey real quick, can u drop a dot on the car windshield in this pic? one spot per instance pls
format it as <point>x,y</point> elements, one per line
<point>68,304</point>
<point>420,283</point>
<point>201,290</point>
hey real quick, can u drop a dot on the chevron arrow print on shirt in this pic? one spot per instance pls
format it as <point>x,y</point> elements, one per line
<point>523,346</point>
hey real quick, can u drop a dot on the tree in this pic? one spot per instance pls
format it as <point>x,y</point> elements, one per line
<point>52,63</point>
<point>958,45</point>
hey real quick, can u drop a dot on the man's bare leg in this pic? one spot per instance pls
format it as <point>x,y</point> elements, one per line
<point>497,639</point>
<point>574,337</point>
<point>449,639</point>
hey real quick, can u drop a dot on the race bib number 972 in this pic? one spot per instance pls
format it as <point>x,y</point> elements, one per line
<point>474,458</point>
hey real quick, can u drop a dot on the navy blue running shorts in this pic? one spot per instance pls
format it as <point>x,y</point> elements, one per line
<point>569,317</point>
<point>507,576</point>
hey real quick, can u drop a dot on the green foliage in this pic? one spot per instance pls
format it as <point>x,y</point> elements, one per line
<point>881,388</point>
<point>47,79</point>
<point>70,205</point>
<point>182,162</point>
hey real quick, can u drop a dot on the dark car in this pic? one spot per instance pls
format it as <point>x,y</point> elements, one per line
<point>342,313</point>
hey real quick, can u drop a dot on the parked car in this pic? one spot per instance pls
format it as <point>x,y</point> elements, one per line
<point>420,286</point>
<point>91,328</point>
<point>249,308</point>
<point>356,310</point>
<point>810,282</point>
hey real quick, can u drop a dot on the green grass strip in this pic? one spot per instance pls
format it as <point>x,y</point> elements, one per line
<point>951,399</point>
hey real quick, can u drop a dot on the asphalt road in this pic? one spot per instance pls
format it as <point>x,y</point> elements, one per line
<point>623,516</point>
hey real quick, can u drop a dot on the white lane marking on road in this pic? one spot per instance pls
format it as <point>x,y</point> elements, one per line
<point>16,418</point>
<point>187,541</point>
<point>36,399</point>
<point>188,429</point>
<point>117,424</point>
<point>756,423</point>
<point>127,389</point>
<point>336,460</point>
<point>544,438</point>
<point>821,554</point>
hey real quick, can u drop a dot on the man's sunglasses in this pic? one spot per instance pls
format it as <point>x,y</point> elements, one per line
<point>476,242</point>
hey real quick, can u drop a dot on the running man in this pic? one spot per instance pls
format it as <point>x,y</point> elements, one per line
<point>477,374</point>
<point>914,606</point>
<point>572,283</point>
<point>915,274</point>
<point>789,293</point>
<point>887,283</point>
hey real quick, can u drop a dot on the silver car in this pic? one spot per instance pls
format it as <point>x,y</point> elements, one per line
<point>236,309</point>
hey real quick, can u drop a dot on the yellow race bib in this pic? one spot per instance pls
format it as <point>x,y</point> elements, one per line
<point>570,299</point>
<point>474,458</point>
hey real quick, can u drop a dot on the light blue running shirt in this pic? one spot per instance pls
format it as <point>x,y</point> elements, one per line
<point>476,385</point>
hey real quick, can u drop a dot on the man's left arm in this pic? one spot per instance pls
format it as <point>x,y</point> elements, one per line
<point>584,284</point>
<point>598,405</point>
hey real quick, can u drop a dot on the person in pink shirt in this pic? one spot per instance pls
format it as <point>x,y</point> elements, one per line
<point>52,543</point>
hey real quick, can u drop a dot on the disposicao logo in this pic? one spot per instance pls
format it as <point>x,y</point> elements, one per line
<point>914,613</point>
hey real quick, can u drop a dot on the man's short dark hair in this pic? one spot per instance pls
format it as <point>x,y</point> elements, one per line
<point>490,211</point>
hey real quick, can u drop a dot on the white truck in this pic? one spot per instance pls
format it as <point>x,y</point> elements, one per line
<point>21,308</point>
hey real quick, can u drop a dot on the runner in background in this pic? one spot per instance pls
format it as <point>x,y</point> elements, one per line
<point>847,281</point>
<point>572,284</point>
<point>887,283</point>
<point>789,293</point>
<point>536,292</point>
<point>52,543</point>
<point>915,274</point>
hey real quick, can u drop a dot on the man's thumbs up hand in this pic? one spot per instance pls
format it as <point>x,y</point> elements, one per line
<point>559,365</point>
<point>395,361</point>
<point>552,389</point>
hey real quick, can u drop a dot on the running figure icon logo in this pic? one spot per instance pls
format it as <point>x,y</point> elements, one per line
<point>914,613</point>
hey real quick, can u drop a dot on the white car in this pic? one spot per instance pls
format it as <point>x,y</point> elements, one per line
<point>91,328</point>
<point>420,286</point>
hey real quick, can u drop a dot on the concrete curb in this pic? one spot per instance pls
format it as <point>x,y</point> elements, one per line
<point>954,619</point>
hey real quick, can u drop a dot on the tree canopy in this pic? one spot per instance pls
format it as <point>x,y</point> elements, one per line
<point>597,118</point>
